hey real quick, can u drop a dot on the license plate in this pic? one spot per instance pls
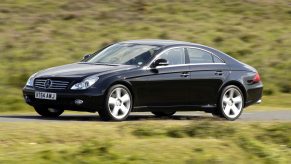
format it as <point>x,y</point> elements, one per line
<point>46,95</point>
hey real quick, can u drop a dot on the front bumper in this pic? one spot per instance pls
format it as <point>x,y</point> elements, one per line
<point>91,101</point>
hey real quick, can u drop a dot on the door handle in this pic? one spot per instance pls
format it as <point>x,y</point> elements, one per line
<point>218,73</point>
<point>185,74</point>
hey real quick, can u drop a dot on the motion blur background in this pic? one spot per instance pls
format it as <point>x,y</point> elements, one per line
<point>37,34</point>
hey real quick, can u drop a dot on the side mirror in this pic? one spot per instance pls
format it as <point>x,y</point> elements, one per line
<point>87,56</point>
<point>160,62</point>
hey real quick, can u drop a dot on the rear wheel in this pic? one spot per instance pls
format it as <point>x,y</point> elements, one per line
<point>164,114</point>
<point>118,104</point>
<point>48,112</point>
<point>231,103</point>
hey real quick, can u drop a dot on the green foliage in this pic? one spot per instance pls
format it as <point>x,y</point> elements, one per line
<point>256,148</point>
<point>147,131</point>
<point>172,142</point>
<point>276,134</point>
<point>39,34</point>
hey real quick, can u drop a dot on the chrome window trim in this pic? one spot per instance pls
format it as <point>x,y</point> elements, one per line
<point>188,64</point>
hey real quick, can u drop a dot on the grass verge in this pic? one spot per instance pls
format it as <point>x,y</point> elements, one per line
<point>145,142</point>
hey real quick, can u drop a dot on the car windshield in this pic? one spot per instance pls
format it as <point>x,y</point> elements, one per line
<point>124,53</point>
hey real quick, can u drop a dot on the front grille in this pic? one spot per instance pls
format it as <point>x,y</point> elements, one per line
<point>54,84</point>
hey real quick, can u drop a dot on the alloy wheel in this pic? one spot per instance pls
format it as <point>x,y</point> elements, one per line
<point>232,102</point>
<point>119,103</point>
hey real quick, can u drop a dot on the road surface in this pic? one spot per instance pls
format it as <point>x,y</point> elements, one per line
<point>282,115</point>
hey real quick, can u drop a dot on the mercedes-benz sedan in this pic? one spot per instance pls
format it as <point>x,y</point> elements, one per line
<point>159,76</point>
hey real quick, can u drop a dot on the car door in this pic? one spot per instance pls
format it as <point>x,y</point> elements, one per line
<point>167,85</point>
<point>207,74</point>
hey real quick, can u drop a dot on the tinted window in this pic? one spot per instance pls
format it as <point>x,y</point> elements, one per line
<point>174,56</point>
<point>199,56</point>
<point>217,60</point>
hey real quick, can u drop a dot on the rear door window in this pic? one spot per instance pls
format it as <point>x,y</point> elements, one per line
<point>199,56</point>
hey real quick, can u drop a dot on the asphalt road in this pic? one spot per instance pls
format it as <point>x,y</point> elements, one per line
<point>281,115</point>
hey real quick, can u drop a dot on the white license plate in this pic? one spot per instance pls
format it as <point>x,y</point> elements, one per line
<point>45,95</point>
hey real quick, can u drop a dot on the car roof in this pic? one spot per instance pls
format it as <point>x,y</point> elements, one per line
<point>159,42</point>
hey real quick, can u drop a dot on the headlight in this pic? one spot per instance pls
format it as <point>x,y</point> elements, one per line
<point>86,83</point>
<point>30,80</point>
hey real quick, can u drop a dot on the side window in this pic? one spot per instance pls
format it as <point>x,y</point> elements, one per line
<point>217,60</point>
<point>174,56</point>
<point>199,56</point>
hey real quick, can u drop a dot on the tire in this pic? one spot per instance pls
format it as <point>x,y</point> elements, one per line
<point>230,104</point>
<point>118,104</point>
<point>48,112</point>
<point>164,114</point>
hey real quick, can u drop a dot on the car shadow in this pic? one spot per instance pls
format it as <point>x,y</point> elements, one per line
<point>133,117</point>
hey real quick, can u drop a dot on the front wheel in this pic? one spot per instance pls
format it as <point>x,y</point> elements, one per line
<point>48,112</point>
<point>231,103</point>
<point>118,104</point>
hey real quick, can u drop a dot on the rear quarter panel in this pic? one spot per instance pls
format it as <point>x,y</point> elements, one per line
<point>252,91</point>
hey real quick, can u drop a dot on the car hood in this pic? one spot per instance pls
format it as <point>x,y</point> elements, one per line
<point>81,70</point>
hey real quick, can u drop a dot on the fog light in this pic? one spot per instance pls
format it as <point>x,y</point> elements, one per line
<point>78,102</point>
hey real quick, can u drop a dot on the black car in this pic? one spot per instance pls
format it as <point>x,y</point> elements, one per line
<point>160,76</point>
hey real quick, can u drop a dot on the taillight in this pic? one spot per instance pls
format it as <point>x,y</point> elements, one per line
<point>256,78</point>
